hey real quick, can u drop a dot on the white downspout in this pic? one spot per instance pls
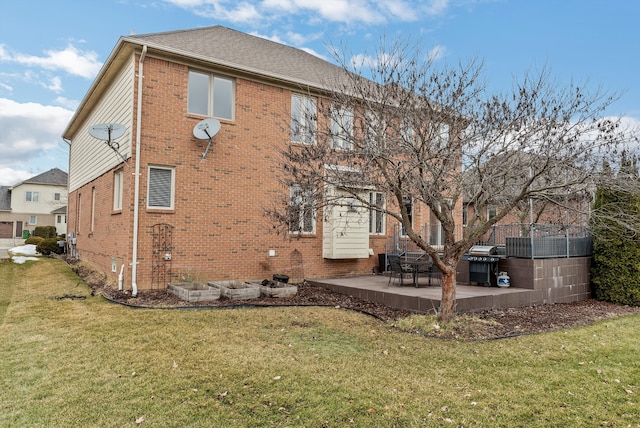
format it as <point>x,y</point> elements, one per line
<point>136,200</point>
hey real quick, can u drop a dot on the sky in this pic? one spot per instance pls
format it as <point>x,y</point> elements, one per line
<point>50,51</point>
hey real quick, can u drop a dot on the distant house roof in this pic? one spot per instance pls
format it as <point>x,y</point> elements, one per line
<point>61,210</point>
<point>54,176</point>
<point>5,198</point>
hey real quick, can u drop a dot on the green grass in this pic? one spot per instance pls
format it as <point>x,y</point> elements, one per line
<point>87,362</point>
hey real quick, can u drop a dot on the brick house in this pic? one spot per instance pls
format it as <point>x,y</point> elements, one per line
<point>153,206</point>
<point>38,201</point>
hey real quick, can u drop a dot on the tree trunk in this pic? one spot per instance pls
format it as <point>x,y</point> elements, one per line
<point>448,300</point>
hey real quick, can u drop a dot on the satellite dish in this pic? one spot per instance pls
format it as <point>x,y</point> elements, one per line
<point>206,129</point>
<point>107,131</point>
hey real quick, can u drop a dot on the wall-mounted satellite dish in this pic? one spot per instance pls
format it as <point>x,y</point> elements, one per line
<point>205,130</point>
<point>108,132</point>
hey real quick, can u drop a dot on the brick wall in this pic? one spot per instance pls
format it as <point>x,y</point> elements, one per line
<point>220,230</point>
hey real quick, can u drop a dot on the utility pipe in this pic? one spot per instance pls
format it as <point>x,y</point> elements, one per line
<point>120,278</point>
<point>136,201</point>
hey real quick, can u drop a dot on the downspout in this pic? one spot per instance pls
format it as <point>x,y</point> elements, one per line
<point>136,202</point>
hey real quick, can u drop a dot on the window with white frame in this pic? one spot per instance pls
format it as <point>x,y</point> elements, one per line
<point>58,219</point>
<point>161,187</point>
<point>492,211</point>
<point>442,137</point>
<point>211,95</point>
<point>56,196</point>
<point>436,232</point>
<point>376,214</point>
<point>341,127</point>
<point>303,119</point>
<point>407,133</point>
<point>374,133</point>
<point>33,219</point>
<point>93,208</point>
<point>302,216</point>
<point>118,177</point>
<point>32,196</point>
<point>408,203</point>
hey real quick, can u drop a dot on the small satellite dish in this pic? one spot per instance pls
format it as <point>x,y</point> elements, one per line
<point>107,131</point>
<point>206,129</point>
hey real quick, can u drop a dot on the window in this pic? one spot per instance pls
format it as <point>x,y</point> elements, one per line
<point>211,95</point>
<point>58,219</point>
<point>374,133</point>
<point>303,119</point>
<point>436,231</point>
<point>56,196</point>
<point>407,133</point>
<point>408,203</point>
<point>341,127</point>
<point>93,208</point>
<point>465,216</point>
<point>32,197</point>
<point>492,211</point>
<point>442,139</point>
<point>376,217</point>
<point>118,177</point>
<point>301,210</point>
<point>33,219</point>
<point>160,191</point>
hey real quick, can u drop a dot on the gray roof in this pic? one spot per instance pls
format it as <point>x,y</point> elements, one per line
<point>5,198</point>
<point>245,52</point>
<point>54,176</point>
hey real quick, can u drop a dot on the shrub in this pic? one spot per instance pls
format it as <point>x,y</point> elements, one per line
<point>615,272</point>
<point>49,246</point>
<point>35,240</point>
<point>45,231</point>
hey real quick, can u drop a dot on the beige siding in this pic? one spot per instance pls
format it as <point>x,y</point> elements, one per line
<point>46,198</point>
<point>345,232</point>
<point>89,157</point>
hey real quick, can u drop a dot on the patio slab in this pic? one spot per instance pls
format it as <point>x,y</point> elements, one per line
<point>426,298</point>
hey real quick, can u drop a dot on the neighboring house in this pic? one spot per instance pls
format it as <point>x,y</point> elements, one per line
<point>38,201</point>
<point>155,208</point>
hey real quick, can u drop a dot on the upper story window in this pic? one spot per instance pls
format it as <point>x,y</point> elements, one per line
<point>304,118</point>
<point>374,133</point>
<point>442,137</point>
<point>161,189</point>
<point>302,215</point>
<point>341,127</point>
<point>32,197</point>
<point>56,196</point>
<point>492,211</point>
<point>211,95</point>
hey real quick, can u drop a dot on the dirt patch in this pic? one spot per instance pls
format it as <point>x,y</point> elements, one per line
<point>501,322</point>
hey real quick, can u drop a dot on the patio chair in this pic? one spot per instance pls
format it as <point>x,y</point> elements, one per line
<point>397,268</point>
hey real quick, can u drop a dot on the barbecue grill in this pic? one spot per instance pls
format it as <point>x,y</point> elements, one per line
<point>483,264</point>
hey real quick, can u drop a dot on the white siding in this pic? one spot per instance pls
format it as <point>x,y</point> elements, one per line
<point>46,198</point>
<point>89,157</point>
<point>345,231</point>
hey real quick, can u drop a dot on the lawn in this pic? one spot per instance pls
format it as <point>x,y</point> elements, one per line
<point>71,359</point>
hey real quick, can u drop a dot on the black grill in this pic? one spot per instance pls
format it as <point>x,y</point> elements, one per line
<point>483,265</point>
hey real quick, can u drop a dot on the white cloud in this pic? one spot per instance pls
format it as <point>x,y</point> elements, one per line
<point>67,103</point>
<point>70,59</point>
<point>436,53</point>
<point>28,131</point>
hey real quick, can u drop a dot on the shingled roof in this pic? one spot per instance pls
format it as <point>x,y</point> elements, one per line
<point>54,176</point>
<point>244,52</point>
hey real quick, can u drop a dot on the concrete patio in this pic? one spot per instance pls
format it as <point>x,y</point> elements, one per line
<point>426,298</point>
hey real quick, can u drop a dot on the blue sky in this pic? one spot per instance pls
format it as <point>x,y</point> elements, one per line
<point>50,51</point>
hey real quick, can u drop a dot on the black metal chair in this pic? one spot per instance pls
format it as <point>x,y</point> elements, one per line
<point>397,268</point>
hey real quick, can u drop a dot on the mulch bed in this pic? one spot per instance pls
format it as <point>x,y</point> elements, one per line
<point>505,322</point>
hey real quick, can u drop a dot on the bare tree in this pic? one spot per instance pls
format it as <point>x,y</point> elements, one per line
<point>411,129</point>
